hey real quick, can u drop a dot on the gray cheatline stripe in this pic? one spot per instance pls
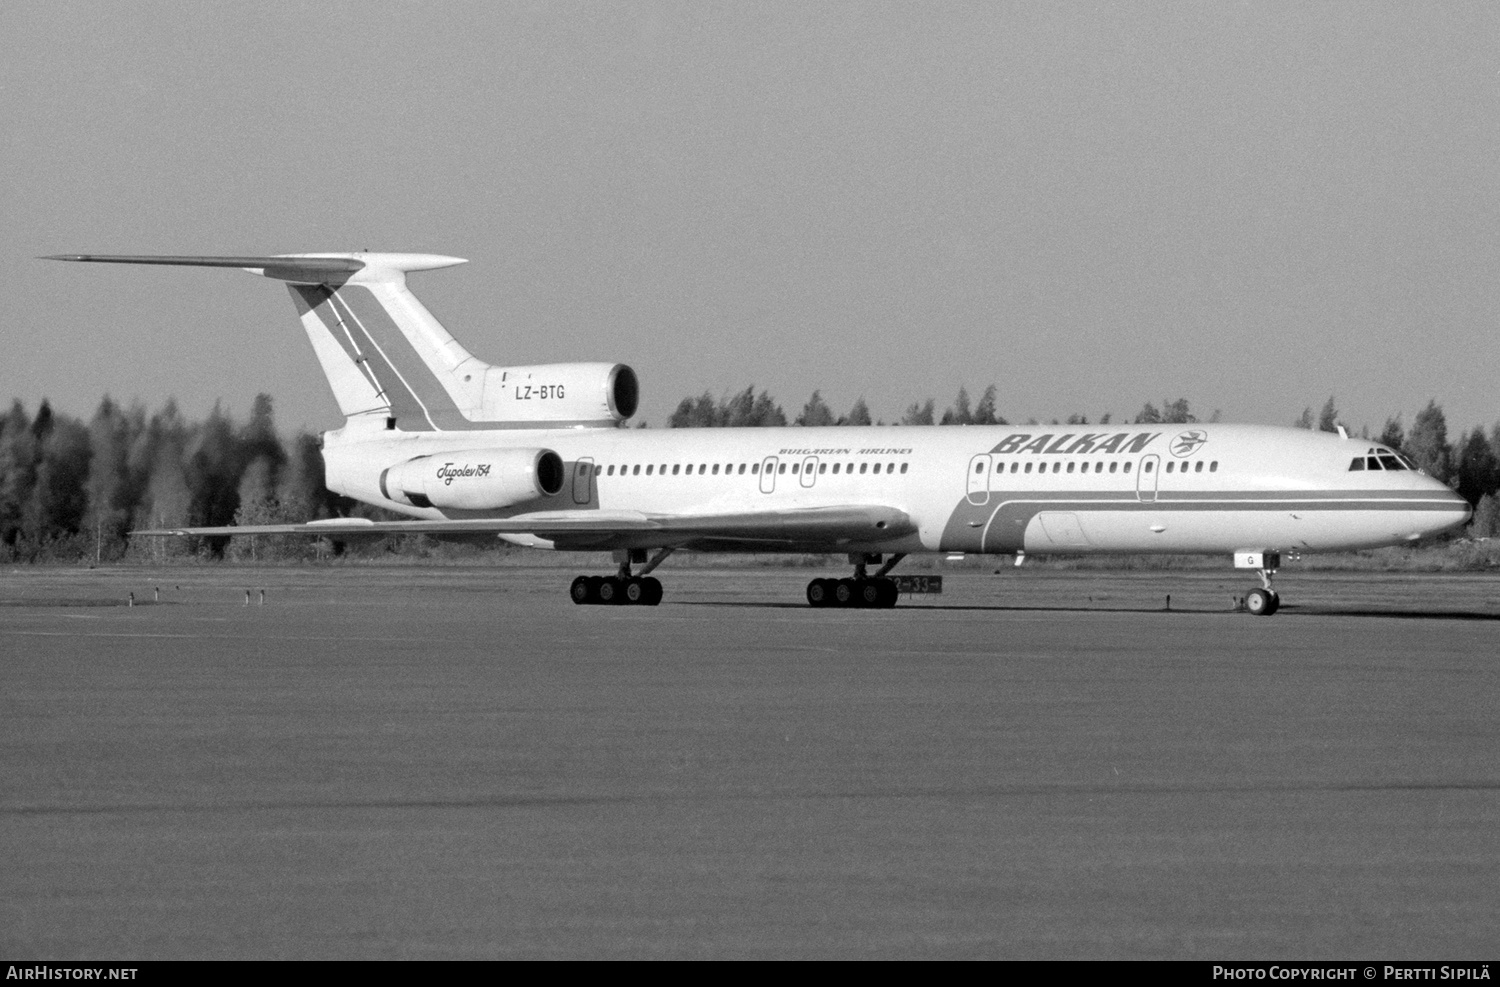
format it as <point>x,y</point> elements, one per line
<point>1290,495</point>
<point>1123,505</point>
<point>1188,496</point>
<point>360,360</point>
<point>389,362</point>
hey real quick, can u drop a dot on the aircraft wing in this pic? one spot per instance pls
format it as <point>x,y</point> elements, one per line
<point>799,526</point>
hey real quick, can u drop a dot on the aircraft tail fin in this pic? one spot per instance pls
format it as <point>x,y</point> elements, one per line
<point>387,359</point>
<point>383,353</point>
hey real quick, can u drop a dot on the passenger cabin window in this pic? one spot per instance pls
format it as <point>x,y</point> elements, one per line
<point>742,469</point>
<point>835,469</point>
<point>979,467</point>
<point>1198,466</point>
<point>822,468</point>
<point>904,465</point>
<point>781,470</point>
<point>1213,467</point>
<point>755,468</point>
<point>863,467</point>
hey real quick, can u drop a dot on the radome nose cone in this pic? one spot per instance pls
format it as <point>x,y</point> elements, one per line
<point>1460,513</point>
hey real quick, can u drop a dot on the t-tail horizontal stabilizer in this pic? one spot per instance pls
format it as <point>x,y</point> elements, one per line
<point>296,268</point>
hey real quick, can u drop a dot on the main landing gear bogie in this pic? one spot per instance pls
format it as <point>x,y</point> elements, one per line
<point>870,594</point>
<point>609,591</point>
<point>624,588</point>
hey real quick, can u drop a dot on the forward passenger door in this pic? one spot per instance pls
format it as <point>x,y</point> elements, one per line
<point>979,480</point>
<point>1146,478</point>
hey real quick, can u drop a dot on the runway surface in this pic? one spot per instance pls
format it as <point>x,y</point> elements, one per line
<point>417,762</point>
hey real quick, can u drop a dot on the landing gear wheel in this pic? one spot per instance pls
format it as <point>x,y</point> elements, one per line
<point>635,592</point>
<point>1275,603</point>
<point>820,593</point>
<point>610,591</point>
<point>869,593</point>
<point>581,591</point>
<point>888,593</point>
<point>843,593</point>
<point>653,590</point>
<point>1261,603</point>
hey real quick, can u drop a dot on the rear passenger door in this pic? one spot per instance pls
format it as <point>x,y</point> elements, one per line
<point>583,481</point>
<point>768,475</point>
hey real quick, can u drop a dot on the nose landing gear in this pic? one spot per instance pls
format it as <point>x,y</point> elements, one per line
<point>867,592</point>
<point>1264,601</point>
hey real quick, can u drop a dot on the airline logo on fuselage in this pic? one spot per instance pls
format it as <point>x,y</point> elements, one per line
<point>1070,443</point>
<point>1188,442</point>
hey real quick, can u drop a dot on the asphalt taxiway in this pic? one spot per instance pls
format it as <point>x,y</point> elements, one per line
<point>455,762</point>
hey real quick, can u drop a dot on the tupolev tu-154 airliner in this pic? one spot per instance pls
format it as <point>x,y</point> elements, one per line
<point>536,456</point>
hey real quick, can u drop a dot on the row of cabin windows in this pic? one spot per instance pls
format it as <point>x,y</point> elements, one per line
<point>1098,467</point>
<point>706,469</point>
<point>1380,459</point>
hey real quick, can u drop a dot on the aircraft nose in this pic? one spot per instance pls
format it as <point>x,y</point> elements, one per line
<point>1454,511</point>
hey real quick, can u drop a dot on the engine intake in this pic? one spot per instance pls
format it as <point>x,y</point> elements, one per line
<point>474,480</point>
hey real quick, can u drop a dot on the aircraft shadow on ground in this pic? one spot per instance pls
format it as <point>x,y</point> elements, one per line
<point>1288,609</point>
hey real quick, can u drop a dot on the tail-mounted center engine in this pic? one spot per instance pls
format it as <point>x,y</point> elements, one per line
<point>560,392</point>
<point>474,480</point>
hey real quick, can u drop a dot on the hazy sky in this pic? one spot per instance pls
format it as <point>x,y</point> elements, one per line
<point>1250,205</point>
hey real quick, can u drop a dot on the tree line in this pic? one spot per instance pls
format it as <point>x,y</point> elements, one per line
<point>74,489</point>
<point>71,489</point>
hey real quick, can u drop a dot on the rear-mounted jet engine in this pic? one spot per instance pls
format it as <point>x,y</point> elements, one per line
<point>474,480</point>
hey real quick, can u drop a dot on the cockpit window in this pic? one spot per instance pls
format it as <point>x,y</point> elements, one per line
<point>1381,459</point>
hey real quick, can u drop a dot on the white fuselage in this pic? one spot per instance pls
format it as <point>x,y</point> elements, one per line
<point>993,489</point>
